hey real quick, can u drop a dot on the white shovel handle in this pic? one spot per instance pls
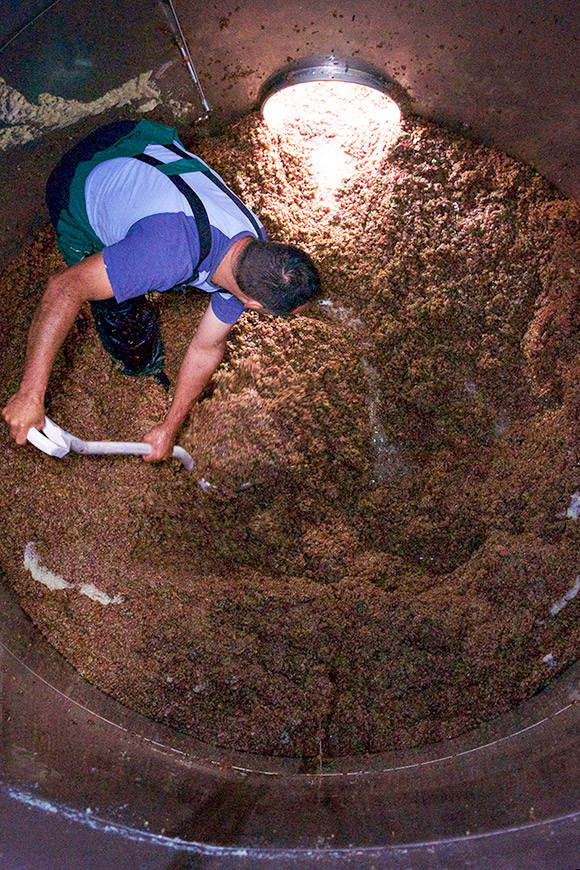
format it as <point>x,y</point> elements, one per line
<point>135,448</point>
<point>56,442</point>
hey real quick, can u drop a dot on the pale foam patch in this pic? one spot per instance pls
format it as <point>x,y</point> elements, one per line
<point>51,580</point>
<point>90,590</point>
<point>40,573</point>
<point>573,511</point>
<point>570,594</point>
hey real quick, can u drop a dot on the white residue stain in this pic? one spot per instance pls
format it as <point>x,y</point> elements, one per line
<point>24,121</point>
<point>346,316</point>
<point>342,313</point>
<point>91,820</point>
<point>387,462</point>
<point>206,485</point>
<point>51,580</point>
<point>570,594</point>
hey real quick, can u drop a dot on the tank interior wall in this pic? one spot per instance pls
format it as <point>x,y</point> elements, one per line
<point>504,74</point>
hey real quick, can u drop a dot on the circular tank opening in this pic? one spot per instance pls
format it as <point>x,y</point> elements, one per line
<point>560,602</point>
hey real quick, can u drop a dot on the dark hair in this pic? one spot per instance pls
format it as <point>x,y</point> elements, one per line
<point>281,277</point>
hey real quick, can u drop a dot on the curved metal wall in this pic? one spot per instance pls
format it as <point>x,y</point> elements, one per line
<point>86,783</point>
<point>506,74</point>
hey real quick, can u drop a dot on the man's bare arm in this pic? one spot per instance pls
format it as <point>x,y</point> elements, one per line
<point>203,356</point>
<point>52,321</point>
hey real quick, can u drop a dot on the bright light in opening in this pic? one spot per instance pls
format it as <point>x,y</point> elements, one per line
<point>312,101</point>
<point>340,125</point>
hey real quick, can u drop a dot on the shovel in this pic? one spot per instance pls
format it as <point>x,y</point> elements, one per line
<point>56,442</point>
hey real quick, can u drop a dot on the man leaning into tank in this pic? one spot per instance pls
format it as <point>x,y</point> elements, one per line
<point>135,212</point>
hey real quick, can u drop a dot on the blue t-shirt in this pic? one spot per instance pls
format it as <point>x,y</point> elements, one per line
<point>149,232</point>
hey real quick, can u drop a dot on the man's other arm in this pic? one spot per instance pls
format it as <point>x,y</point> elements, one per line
<point>202,358</point>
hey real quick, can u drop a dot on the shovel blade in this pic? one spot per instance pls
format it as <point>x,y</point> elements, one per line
<point>51,440</point>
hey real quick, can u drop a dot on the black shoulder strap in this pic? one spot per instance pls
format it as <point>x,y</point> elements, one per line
<point>219,183</point>
<point>197,207</point>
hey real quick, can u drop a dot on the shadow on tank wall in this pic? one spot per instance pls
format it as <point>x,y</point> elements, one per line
<point>505,77</point>
<point>77,50</point>
<point>501,76</point>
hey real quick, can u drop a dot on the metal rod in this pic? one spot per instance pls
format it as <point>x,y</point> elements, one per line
<point>27,25</point>
<point>183,47</point>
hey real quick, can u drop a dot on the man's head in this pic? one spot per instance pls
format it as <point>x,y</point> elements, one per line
<point>280,277</point>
